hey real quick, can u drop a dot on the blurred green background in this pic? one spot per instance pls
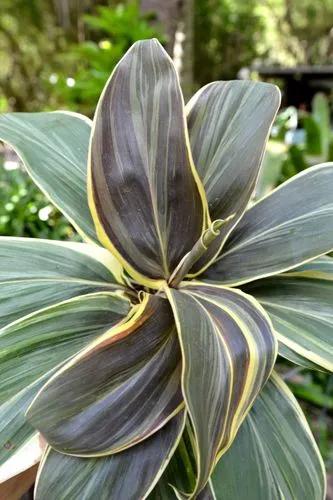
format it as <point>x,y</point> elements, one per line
<point>57,54</point>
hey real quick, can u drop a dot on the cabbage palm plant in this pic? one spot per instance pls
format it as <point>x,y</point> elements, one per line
<point>144,356</point>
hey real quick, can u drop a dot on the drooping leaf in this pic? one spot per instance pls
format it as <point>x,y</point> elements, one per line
<point>145,195</point>
<point>229,124</point>
<point>274,456</point>
<point>228,352</point>
<point>300,307</point>
<point>281,231</point>
<point>54,149</point>
<point>128,475</point>
<point>118,391</point>
<point>38,273</point>
<point>31,348</point>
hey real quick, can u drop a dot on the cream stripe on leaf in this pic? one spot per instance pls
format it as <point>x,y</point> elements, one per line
<point>128,475</point>
<point>180,474</point>
<point>229,124</point>
<point>145,196</point>
<point>38,273</point>
<point>118,391</point>
<point>280,231</point>
<point>274,456</point>
<point>300,307</point>
<point>321,268</point>
<point>228,353</point>
<point>32,347</point>
<point>54,149</point>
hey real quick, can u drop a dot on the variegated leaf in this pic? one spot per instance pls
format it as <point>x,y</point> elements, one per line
<point>128,475</point>
<point>32,347</point>
<point>118,391</point>
<point>300,307</point>
<point>274,456</point>
<point>54,150</point>
<point>228,353</point>
<point>38,273</point>
<point>280,231</point>
<point>229,123</point>
<point>145,196</point>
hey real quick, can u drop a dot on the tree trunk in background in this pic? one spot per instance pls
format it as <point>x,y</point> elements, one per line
<point>176,18</point>
<point>187,56</point>
<point>168,14</point>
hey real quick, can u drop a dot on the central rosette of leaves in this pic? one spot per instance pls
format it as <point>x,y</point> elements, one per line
<point>168,188</point>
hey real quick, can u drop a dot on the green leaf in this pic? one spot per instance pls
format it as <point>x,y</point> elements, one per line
<point>32,347</point>
<point>54,150</point>
<point>131,474</point>
<point>300,307</point>
<point>180,475</point>
<point>228,353</point>
<point>229,124</point>
<point>119,390</point>
<point>270,172</point>
<point>287,228</point>
<point>274,456</point>
<point>322,115</point>
<point>320,268</point>
<point>313,136</point>
<point>38,273</point>
<point>145,195</point>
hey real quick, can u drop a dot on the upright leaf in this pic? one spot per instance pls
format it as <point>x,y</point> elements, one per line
<point>128,475</point>
<point>281,231</point>
<point>145,196</point>
<point>274,456</point>
<point>229,124</point>
<point>54,150</point>
<point>228,353</point>
<point>118,391</point>
<point>300,307</point>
